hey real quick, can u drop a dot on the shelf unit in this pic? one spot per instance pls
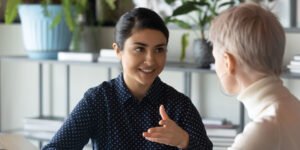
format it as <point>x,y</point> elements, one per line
<point>186,68</point>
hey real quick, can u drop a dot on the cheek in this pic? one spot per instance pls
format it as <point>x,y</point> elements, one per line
<point>128,61</point>
<point>162,59</point>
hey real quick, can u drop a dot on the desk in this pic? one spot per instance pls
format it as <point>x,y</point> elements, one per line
<point>15,142</point>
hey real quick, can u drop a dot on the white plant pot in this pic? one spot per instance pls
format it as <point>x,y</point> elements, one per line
<point>40,40</point>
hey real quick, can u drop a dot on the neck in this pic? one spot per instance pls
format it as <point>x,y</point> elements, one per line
<point>138,91</point>
<point>245,79</point>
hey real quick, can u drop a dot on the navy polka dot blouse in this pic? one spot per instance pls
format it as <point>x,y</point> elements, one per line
<point>112,118</point>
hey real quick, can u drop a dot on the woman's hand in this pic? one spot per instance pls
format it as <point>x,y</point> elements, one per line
<point>168,132</point>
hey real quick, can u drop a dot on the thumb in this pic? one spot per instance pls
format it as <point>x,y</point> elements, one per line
<point>163,113</point>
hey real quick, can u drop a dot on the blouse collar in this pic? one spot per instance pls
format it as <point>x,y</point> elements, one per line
<point>153,94</point>
<point>259,95</point>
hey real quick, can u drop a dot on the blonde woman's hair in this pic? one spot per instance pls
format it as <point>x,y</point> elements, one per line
<point>253,34</point>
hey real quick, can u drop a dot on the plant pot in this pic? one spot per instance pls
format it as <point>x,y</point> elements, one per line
<point>202,51</point>
<point>40,40</point>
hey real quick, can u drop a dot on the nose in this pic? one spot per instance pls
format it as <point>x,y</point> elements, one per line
<point>149,58</point>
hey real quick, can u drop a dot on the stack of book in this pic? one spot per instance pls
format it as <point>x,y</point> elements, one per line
<point>221,132</point>
<point>104,55</point>
<point>107,55</point>
<point>42,128</point>
<point>77,56</point>
<point>294,65</point>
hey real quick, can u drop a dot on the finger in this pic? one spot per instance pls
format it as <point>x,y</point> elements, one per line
<point>154,135</point>
<point>146,134</point>
<point>164,123</point>
<point>163,113</point>
<point>157,129</point>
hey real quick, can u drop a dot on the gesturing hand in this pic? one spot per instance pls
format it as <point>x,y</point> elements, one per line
<point>168,132</point>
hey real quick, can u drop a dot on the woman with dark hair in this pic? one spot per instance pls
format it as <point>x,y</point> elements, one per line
<point>136,110</point>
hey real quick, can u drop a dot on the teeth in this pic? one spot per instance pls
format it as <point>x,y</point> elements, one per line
<point>147,70</point>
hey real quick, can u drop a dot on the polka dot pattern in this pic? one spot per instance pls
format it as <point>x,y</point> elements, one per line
<point>112,118</point>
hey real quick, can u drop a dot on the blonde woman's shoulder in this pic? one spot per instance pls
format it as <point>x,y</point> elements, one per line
<point>261,134</point>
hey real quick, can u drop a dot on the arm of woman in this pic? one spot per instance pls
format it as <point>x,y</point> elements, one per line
<point>189,134</point>
<point>75,132</point>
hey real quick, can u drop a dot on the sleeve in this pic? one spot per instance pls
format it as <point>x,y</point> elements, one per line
<point>75,132</point>
<point>192,123</point>
<point>257,136</point>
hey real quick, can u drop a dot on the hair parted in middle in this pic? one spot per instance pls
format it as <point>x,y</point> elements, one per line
<point>138,19</point>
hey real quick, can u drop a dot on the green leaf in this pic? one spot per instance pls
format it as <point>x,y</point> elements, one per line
<point>83,5</point>
<point>170,1</point>
<point>230,3</point>
<point>180,23</point>
<point>68,14</point>
<point>184,45</point>
<point>45,8</point>
<point>184,9</point>
<point>188,7</point>
<point>111,4</point>
<point>11,11</point>
<point>56,20</point>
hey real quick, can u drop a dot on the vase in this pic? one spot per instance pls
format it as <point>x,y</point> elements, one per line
<point>40,39</point>
<point>202,52</point>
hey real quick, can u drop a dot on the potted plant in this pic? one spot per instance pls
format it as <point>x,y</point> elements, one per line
<point>199,14</point>
<point>111,10</point>
<point>46,24</point>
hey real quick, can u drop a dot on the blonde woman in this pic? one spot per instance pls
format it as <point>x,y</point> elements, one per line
<point>248,47</point>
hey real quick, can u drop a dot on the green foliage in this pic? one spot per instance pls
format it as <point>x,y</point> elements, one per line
<point>184,44</point>
<point>71,9</point>
<point>204,11</point>
<point>11,10</point>
<point>111,4</point>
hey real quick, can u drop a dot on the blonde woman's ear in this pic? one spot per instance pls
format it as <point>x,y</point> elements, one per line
<point>117,50</point>
<point>230,62</point>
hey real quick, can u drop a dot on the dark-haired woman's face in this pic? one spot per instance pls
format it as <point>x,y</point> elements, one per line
<point>143,57</point>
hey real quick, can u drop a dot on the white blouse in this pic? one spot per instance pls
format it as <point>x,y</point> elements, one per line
<point>275,115</point>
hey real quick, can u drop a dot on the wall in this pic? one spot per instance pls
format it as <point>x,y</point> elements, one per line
<point>19,80</point>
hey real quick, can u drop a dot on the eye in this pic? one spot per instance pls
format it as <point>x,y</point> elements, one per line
<point>139,49</point>
<point>160,49</point>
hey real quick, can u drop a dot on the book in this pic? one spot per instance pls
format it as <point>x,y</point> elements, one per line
<point>106,59</point>
<point>295,63</point>
<point>214,121</point>
<point>222,139</point>
<point>219,148</point>
<point>293,67</point>
<point>77,56</point>
<point>43,135</point>
<point>107,55</point>
<point>226,130</point>
<point>293,70</point>
<point>222,132</point>
<point>48,124</point>
<point>296,57</point>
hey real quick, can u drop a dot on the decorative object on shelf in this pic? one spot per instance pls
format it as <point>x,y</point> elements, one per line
<point>47,25</point>
<point>197,13</point>
<point>109,11</point>
<point>85,35</point>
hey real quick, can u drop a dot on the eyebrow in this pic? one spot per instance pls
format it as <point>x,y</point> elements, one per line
<point>143,44</point>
